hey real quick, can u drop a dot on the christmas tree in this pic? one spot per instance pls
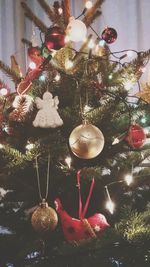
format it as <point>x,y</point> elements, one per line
<point>75,148</point>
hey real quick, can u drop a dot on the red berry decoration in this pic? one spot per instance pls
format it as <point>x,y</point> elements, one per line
<point>136,136</point>
<point>55,38</point>
<point>34,54</point>
<point>109,35</point>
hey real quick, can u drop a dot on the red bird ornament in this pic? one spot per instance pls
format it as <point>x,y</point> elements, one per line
<point>82,229</point>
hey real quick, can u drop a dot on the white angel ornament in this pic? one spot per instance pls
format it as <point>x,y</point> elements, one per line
<point>47,116</point>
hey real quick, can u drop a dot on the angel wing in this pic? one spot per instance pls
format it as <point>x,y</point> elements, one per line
<point>39,102</point>
<point>56,102</point>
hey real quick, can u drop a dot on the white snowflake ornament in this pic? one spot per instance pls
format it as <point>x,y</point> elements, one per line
<point>47,116</point>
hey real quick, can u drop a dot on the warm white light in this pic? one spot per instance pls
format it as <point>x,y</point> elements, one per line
<point>110,206</point>
<point>1,146</point>
<point>91,44</point>
<point>88,4</point>
<point>87,108</point>
<point>30,146</point>
<point>60,10</point>
<point>129,179</point>
<point>76,30</point>
<point>116,141</point>
<point>3,91</point>
<point>68,161</point>
<point>57,77</point>
<point>32,65</point>
<point>110,76</point>
<point>68,64</point>
<point>128,85</point>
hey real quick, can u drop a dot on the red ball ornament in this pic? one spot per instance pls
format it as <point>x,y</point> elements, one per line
<point>109,35</point>
<point>34,54</point>
<point>55,38</point>
<point>136,136</point>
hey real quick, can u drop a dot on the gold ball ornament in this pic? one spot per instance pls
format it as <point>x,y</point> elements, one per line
<point>86,141</point>
<point>44,218</point>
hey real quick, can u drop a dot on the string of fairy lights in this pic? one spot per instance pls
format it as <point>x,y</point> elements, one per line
<point>93,46</point>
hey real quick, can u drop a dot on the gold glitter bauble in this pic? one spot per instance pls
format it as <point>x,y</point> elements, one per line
<point>44,218</point>
<point>86,141</point>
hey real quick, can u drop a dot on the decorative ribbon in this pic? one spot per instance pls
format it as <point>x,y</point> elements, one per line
<point>82,212</point>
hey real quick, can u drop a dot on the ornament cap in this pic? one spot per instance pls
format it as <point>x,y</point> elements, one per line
<point>44,204</point>
<point>85,122</point>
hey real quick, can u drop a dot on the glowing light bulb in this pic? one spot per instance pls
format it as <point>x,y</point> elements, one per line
<point>30,146</point>
<point>3,91</point>
<point>128,179</point>
<point>87,108</point>
<point>143,120</point>
<point>102,43</point>
<point>60,10</point>
<point>91,44</point>
<point>57,77</point>
<point>116,141</point>
<point>88,4</point>
<point>110,76</point>
<point>42,78</point>
<point>128,85</point>
<point>110,206</point>
<point>68,64</point>
<point>32,65</point>
<point>1,146</point>
<point>68,161</point>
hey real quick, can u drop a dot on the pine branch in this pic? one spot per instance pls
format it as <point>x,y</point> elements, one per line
<point>133,227</point>
<point>59,19</point>
<point>66,10</point>
<point>47,10</point>
<point>18,159</point>
<point>9,72</point>
<point>90,14</point>
<point>33,17</point>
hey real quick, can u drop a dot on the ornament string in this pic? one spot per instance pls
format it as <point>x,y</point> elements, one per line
<point>47,178</point>
<point>83,212</point>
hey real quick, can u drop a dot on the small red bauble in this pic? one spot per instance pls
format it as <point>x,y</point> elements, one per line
<point>34,54</point>
<point>109,35</point>
<point>55,38</point>
<point>136,136</point>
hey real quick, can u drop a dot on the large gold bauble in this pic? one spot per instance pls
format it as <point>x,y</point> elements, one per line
<point>44,218</point>
<point>86,141</point>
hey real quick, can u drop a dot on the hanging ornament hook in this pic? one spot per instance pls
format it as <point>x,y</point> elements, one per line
<point>43,199</point>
